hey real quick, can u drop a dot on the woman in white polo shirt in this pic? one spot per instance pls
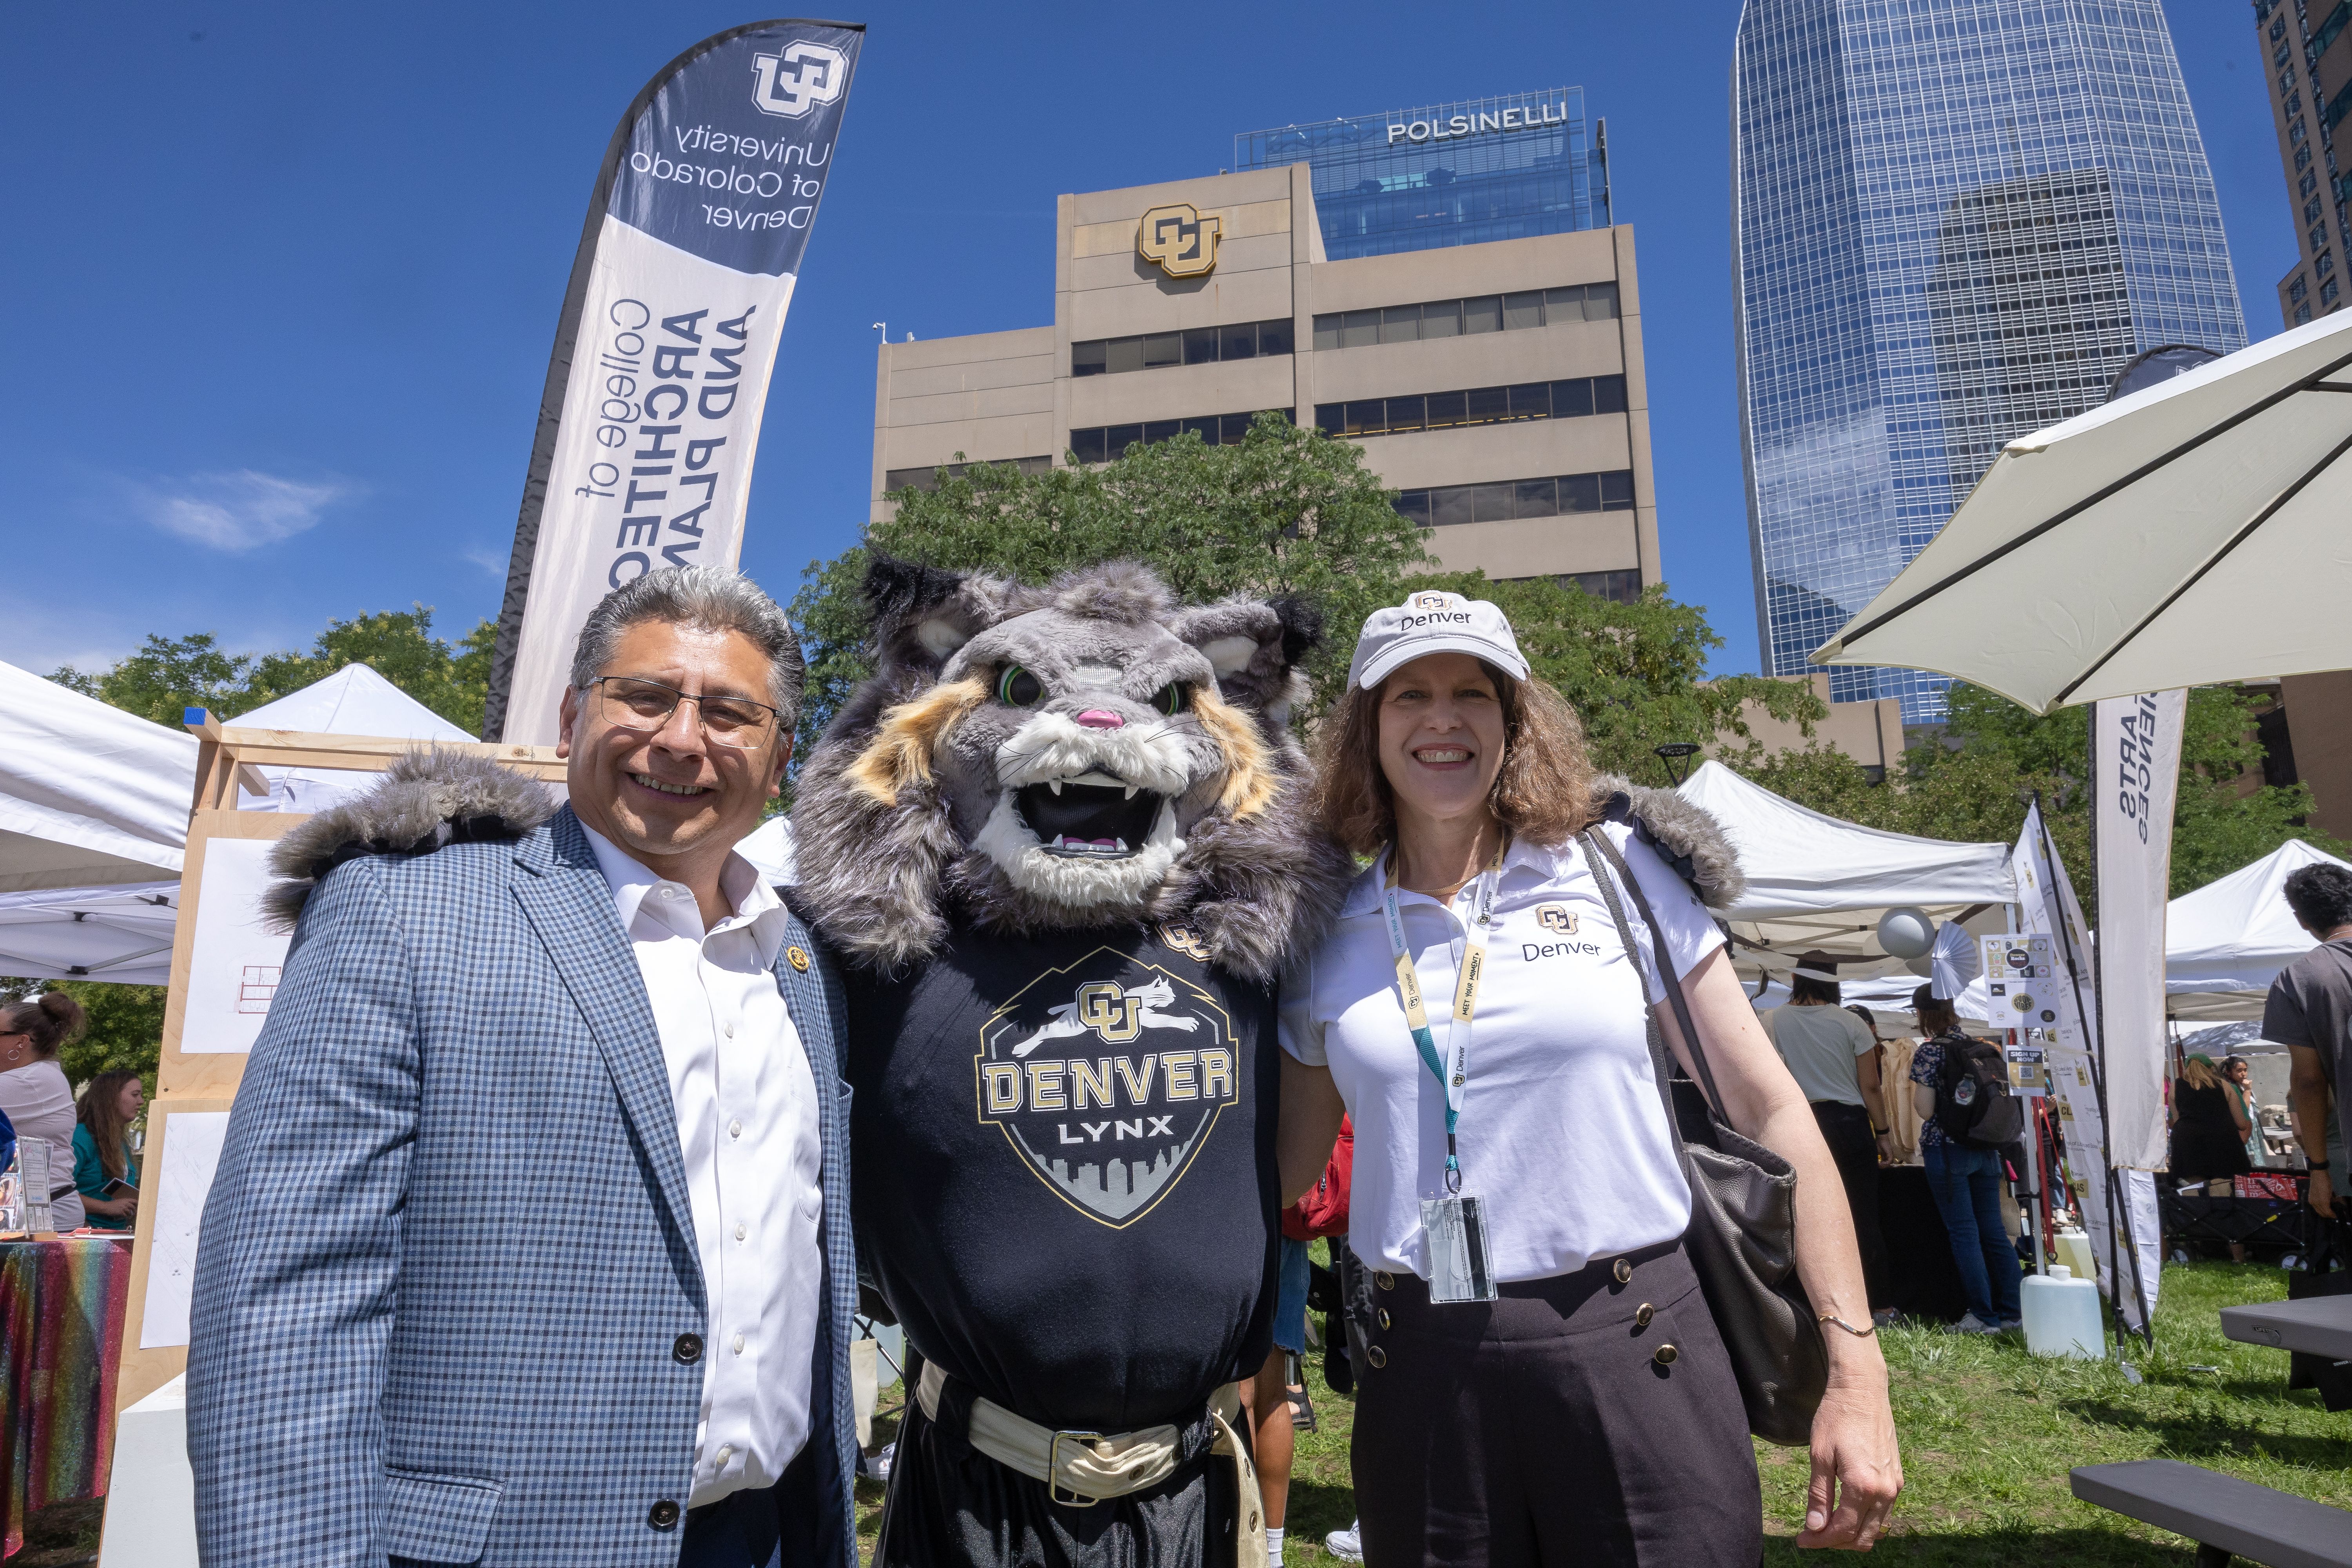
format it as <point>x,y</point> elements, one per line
<point>1583,1411</point>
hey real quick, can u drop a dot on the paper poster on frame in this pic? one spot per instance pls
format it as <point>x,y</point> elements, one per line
<point>235,962</point>
<point>190,1154</point>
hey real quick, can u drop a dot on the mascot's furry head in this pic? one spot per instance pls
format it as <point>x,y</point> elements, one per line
<point>1086,753</point>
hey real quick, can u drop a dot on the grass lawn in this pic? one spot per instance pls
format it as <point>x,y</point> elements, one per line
<point>1989,1434</point>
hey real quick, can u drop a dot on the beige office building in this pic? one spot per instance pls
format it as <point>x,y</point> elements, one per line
<point>1498,387</point>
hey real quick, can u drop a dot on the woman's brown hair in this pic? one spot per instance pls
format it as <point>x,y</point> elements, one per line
<point>101,1110</point>
<point>1543,793</point>
<point>51,1019</point>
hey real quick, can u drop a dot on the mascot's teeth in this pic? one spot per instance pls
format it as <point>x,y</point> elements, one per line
<point>1056,783</point>
<point>1130,792</point>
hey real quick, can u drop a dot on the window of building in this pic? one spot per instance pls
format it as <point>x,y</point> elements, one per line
<point>2335,24</point>
<point>2302,314</point>
<point>2302,154</point>
<point>2295,290</point>
<point>2328,293</point>
<point>929,479</point>
<point>1571,399</point>
<point>1101,443</point>
<point>2309,183</point>
<point>1201,345</point>
<point>2325,264</point>
<point>1459,317</point>
<point>1519,501</point>
<point>2278,29</point>
<point>1623,588</point>
<point>2337,107</point>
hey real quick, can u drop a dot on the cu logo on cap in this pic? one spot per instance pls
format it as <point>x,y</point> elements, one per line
<point>1429,601</point>
<point>802,77</point>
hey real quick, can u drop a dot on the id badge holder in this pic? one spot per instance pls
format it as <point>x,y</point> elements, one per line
<point>1455,1229</point>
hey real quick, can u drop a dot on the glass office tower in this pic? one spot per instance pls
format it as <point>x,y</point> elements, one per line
<point>1955,221</point>
<point>1447,174</point>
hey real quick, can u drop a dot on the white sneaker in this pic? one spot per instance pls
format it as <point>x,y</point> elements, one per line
<point>1346,1545</point>
<point>1970,1323</point>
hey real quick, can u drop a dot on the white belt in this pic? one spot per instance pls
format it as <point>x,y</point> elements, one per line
<point>1082,1468</point>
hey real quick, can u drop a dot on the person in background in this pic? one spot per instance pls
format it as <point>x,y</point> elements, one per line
<point>105,1174</point>
<point>34,1093</point>
<point>1833,1057</point>
<point>2309,1011</point>
<point>2238,1074</point>
<point>1586,1410</point>
<point>1965,1182</point>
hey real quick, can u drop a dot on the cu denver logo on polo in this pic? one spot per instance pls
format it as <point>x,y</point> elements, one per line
<point>800,77</point>
<point>1106,1076</point>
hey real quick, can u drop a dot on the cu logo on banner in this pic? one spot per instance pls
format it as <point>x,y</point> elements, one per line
<point>800,78</point>
<point>1179,239</point>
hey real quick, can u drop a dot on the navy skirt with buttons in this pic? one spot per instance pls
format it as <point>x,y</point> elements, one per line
<point>1590,1418</point>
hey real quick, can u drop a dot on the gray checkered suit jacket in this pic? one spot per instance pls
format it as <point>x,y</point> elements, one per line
<point>448,1255</point>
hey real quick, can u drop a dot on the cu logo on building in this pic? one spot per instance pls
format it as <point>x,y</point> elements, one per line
<point>1182,242</point>
<point>800,77</point>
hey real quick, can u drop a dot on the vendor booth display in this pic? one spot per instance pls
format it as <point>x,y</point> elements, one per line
<point>60,1336</point>
<point>2225,942</point>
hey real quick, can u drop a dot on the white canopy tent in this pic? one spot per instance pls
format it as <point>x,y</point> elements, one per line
<point>94,814</point>
<point>2225,942</point>
<point>90,795</point>
<point>1817,886</point>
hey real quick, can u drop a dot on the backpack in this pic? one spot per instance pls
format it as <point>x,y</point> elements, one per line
<point>1973,1105</point>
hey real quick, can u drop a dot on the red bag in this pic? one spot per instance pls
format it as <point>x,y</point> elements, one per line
<point>1324,1210</point>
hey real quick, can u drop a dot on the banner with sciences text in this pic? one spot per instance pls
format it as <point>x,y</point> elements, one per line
<point>2135,778</point>
<point>2047,907</point>
<point>650,417</point>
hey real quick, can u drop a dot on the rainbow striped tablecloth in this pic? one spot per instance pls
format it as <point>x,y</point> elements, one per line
<point>60,1342</point>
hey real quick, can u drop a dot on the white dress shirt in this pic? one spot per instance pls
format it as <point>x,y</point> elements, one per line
<point>746,1126</point>
<point>1562,1134</point>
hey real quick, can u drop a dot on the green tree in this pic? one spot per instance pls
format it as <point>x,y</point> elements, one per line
<point>167,676</point>
<point>1286,511</point>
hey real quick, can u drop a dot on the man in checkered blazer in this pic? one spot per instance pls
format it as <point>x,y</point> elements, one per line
<point>530,1242</point>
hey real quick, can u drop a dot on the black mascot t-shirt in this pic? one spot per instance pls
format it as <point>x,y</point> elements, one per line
<point>1065,1172</point>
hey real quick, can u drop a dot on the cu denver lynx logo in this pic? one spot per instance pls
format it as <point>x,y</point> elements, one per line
<point>1179,239</point>
<point>800,78</point>
<point>1106,1076</point>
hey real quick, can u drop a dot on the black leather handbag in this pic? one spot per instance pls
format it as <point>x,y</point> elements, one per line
<point>1742,1240</point>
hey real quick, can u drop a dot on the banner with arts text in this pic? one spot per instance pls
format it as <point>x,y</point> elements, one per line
<point>2047,907</point>
<point>2134,776</point>
<point>650,416</point>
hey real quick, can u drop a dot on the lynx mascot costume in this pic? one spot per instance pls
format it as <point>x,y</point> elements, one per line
<point>1061,843</point>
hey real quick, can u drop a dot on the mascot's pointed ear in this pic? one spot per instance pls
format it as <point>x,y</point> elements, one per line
<point>1254,644</point>
<point>921,614</point>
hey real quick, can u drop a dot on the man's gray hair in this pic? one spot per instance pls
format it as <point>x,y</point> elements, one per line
<point>706,599</point>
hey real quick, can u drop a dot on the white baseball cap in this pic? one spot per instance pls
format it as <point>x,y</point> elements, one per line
<point>1434,623</point>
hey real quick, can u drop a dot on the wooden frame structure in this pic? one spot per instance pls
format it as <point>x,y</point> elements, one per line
<point>227,758</point>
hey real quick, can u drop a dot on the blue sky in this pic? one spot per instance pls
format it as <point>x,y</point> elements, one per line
<point>283,278</point>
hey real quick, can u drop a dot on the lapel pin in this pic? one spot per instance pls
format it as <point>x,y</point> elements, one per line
<point>798,959</point>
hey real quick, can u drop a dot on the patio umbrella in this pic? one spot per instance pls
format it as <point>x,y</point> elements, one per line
<point>2198,530</point>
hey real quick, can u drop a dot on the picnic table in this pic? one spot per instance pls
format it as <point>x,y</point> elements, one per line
<point>60,1342</point>
<point>2321,1325</point>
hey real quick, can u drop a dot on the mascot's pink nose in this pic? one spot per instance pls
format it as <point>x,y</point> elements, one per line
<point>1101,719</point>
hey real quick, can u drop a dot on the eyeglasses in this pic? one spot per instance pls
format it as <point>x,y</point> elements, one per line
<point>628,703</point>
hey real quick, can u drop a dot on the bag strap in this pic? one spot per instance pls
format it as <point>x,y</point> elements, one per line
<point>1661,1064</point>
<point>1603,854</point>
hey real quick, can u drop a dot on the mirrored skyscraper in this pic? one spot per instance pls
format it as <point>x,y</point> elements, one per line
<point>1955,220</point>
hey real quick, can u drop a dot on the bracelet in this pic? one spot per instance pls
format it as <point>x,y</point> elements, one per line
<point>1849,1328</point>
<point>1880,1132</point>
<point>2311,1164</point>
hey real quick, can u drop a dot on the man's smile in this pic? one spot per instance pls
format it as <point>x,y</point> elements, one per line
<point>651,783</point>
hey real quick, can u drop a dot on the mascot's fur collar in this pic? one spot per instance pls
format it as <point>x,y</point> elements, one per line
<point>424,800</point>
<point>1088,753</point>
<point>1685,836</point>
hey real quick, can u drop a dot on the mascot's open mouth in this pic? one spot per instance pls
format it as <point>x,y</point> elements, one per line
<point>1093,817</point>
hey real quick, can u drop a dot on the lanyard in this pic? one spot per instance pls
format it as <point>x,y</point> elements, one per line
<point>1465,999</point>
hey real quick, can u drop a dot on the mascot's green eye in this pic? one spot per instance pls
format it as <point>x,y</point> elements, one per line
<point>1171,699</point>
<point>1018,688</point>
